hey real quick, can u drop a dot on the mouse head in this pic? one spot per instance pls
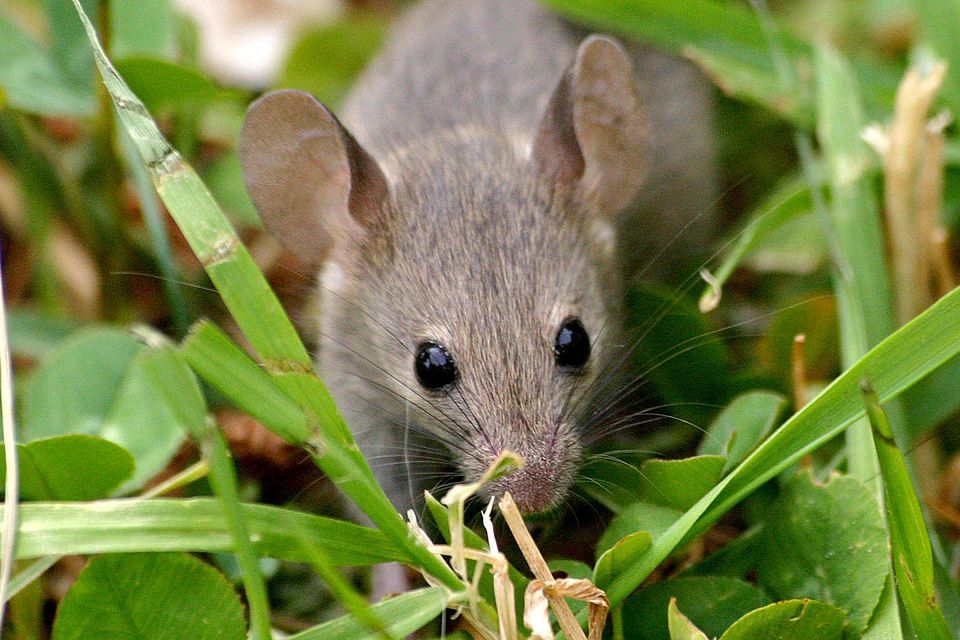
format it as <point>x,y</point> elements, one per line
<point>475,268</point>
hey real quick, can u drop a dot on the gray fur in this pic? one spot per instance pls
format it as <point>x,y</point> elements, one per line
<point>477,246</point>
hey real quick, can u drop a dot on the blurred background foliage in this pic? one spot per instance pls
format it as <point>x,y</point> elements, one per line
<point>87,247</point>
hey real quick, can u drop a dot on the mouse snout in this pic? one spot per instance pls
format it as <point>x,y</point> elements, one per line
<point>543,480</point>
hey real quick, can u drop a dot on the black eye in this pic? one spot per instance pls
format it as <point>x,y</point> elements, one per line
<point>434,366</point>
<point>572,347</point>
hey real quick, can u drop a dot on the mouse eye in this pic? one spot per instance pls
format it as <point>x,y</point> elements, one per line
<point>434,366</point>
<point>572,347</point>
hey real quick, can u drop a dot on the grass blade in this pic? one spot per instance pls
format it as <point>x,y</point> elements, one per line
<point>406,613</point>
<point>343,591</point>
<point>790,200</point>
<point>193,524</point>
<point>11,505</point>
<point>174,379</point>
<point>258,312</point>
<point>910,542</point>
<point>217,360</point>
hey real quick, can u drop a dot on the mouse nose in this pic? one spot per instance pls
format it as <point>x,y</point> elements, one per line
<point>540,484</point>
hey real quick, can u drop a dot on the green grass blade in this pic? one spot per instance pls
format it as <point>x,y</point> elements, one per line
<point>406,613</point>
<point>36,569</point>
<point>11,489</point>
<point>342,590</point>
<point>788,201</point>
<point>229,265</point>
<point>194,524</point>
<point>854,212</point>
<point>224,366</point>
<point>258,312</point>
<point>216,359</point>
<point>909,539</point>
<point>861,281</point>
<point>174,379</point>
<point>894,365</point>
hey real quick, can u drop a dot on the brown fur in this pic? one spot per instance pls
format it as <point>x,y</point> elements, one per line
<point>506,152</point>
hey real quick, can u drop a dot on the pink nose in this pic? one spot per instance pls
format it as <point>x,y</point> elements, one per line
<point>537,486</point>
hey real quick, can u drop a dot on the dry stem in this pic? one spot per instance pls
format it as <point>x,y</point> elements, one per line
<point>903,202</point>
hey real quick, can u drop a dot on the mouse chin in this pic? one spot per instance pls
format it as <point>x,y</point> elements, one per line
<point>537,486</point>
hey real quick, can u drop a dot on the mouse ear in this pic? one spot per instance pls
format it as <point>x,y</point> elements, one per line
<point>594,130</point>
<point>306,174</point>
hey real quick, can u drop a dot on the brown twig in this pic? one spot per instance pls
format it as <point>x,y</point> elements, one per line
<point>566,619</point>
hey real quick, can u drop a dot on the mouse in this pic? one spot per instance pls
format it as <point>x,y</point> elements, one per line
<point>473,211</point>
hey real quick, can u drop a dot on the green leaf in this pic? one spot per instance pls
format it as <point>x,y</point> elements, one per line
<point>789,620</point>
<point>745,75</point>
<point>326,61</point>
<point>796,246</point>
<point>94,383</point>
<point>405,614</point>
<point>150,597</point>
<point>140,28</point>
<point>680,626</point>
<point>163,85</point>
<point>144,422</point>
<point>74,390</point>
<point>70,51</point>
<point>611,563</point>
<point>32,82</point>
<point>196,524</point>
<point>712,603</point>
<point>679,483</point>
<point>737,558</point>
<point>828,543</point>
<point>742,425</point>
<point>640,516</point>
<point>224,176</point>
<point>35,334</point>
<point>912,352</point>
<point>70,467</point>
<point>611,479</point>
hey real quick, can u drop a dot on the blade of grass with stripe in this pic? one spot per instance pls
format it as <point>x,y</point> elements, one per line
<point>910,542</point>
<point>861,281</point>
<point>406,613</point>
<point>258,312</point>
<point>897,363</point>
<point>192,524</point>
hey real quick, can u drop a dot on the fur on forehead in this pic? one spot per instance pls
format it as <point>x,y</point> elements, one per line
<point>476,186</point>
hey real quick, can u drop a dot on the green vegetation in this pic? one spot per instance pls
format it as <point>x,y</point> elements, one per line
<point>793,489</point>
